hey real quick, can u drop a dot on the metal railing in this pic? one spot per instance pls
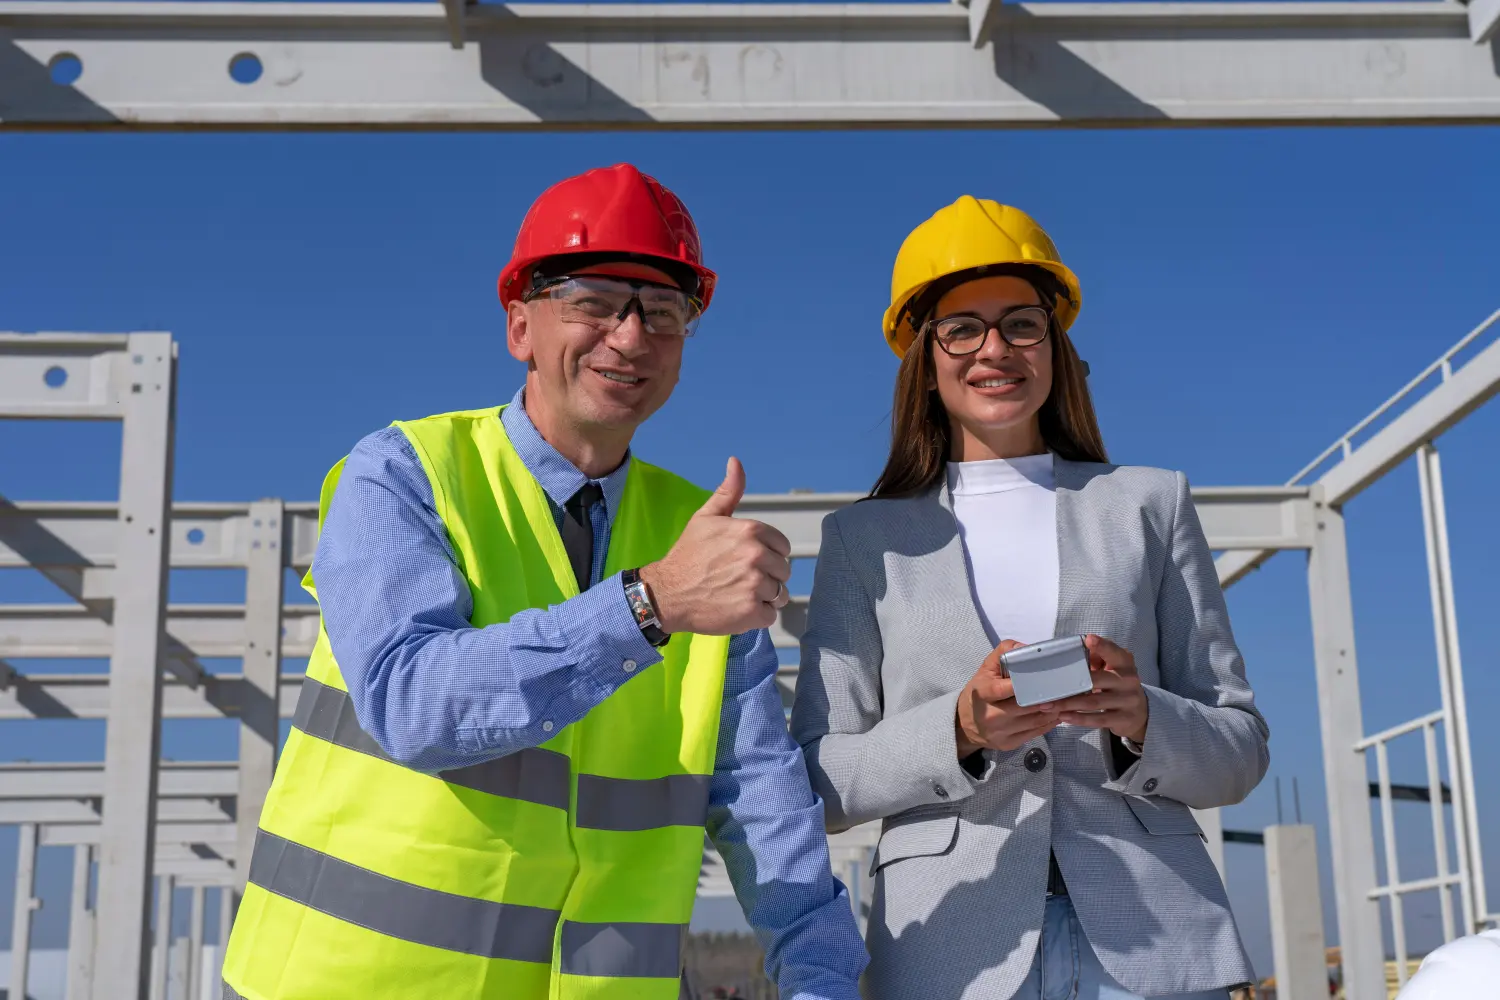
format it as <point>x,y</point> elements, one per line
<point>1463,882</point>
<point>1451,882</point>
<point>1345,444</point>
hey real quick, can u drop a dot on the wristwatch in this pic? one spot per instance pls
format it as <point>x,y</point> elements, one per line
<point>642,610</point>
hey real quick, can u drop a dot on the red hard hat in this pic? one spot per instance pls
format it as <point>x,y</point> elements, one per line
<point>610,213</point>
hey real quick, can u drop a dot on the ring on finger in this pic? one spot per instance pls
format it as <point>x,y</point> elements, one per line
<point>775,600</point>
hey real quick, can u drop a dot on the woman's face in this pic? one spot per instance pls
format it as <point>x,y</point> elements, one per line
<point>994,394</point>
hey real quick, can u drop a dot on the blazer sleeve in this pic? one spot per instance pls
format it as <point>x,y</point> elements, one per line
<point>1205,741</point>
<point>865,765</point>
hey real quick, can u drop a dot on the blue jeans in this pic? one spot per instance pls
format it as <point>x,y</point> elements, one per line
<point>1066,967</point>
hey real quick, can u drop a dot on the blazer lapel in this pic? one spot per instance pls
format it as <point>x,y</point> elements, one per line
<point>952,569</point>
<point>932,522</point>
<point>1072,558</point>
<point>1073,521</point>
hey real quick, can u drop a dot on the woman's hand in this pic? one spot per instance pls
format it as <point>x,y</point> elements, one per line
<point>988,715</point>
<point>1118,702</point>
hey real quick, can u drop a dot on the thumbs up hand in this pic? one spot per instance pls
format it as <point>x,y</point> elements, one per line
<point>725,575</point>
<point>723,501</point>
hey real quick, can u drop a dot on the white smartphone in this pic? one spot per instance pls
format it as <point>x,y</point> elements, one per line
<point>1049,671</point>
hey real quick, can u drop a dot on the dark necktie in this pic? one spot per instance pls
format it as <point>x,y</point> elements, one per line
<point>578,533</point>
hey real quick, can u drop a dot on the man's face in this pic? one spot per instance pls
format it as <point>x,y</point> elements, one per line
<point>592,369</point>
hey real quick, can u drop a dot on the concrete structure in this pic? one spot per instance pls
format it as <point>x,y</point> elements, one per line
<point>1296,913</point>
<point>982,63</point>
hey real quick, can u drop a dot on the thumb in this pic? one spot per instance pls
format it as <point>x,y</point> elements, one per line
<point>727,497</point>
<point>992,668</point>
<point>992,662</point>
<point>993,689</point>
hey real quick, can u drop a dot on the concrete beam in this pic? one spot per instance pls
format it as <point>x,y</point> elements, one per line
<point>648,66</point>
<point>1458,392</point>
<point>214,779</point>
<point>1484,19</point>
<point>86,696</point>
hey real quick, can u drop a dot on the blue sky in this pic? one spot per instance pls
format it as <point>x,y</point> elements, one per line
<point>1247,296</point>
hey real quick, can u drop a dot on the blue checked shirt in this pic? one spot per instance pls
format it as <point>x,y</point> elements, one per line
<point>437,693</point>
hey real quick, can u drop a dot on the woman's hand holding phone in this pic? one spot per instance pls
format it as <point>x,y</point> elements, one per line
<point>1118,702</point>
<point>988,716</point>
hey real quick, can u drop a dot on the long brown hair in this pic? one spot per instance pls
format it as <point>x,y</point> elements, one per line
<point>922,437</point>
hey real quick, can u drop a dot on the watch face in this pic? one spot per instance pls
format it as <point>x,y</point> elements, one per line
<point>640,606</point>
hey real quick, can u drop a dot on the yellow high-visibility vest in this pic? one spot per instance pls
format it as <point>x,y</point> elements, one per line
<point>563,872</point>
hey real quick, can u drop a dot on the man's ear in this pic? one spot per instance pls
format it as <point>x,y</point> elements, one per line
<point>518,332</point>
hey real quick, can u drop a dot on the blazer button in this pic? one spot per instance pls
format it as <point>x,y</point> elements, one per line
<point>1035,759</point>
<point>941,792</point>
<point>1149,786</point>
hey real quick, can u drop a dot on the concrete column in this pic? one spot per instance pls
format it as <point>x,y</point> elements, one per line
<point>1296,913</point>
<point>1342,723</point>
<point>146,386</point>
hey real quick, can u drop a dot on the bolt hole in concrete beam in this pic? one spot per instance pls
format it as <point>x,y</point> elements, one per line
<point>65,69</point>
<point>56,377</point>
<point>245,68</point>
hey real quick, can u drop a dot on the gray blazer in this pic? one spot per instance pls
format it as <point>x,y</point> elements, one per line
<point>961,867</point>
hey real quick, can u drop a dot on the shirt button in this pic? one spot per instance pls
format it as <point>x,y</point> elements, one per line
<point>547,726</point>
<point>629,666</point>
<point>1149,786</point>
<point>1035,759</point>
<point>941,792</point>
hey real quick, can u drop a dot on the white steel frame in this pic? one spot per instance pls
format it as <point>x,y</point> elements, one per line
<point>735,65</point>
<point>132,379</point>
<point>188,824</point>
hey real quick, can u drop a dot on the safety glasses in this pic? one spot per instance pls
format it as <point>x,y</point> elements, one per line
<point>603,303</point>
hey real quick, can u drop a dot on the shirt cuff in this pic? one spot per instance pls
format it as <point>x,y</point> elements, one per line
<point>603,636</point>
<point>1142,774</point>
<point>936,742</point>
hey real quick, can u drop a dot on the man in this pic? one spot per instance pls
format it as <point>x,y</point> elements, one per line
<point>525,702</point>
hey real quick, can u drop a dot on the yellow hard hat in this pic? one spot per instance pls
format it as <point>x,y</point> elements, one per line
<point>965,236</point>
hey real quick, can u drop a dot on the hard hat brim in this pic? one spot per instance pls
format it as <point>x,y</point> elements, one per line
<point>514,283</point>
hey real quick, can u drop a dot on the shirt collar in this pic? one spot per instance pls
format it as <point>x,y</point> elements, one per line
<point>558,477</point>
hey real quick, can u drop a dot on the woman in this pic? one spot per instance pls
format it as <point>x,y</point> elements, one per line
<point>1033,852</point>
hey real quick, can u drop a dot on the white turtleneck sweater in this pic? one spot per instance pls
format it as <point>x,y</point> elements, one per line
<point>1007,519</point>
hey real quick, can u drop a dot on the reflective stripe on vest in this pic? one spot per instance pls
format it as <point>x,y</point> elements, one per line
<point>531,775</point>
<point>398,909</point>
<point>565,871</point>
<point>458,923</point>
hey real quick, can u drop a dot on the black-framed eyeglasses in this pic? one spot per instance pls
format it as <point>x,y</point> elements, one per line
<point>965,333</point>
<point>604,302</point>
